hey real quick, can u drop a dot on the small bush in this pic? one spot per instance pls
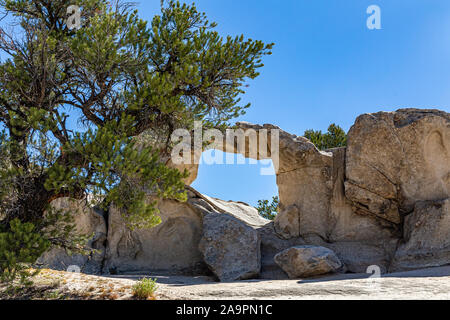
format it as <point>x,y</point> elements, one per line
<point>334,138</point>
<point>144,289</point>
<point>268,211</point>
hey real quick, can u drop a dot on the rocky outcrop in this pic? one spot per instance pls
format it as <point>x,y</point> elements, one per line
<point>308,261</point>
<point>314,208</point>
<point>356,200</point>
<point>395,159</point>
<point>230,248</point>
<point>170,246</point>
<point>379,201</point>
<point>271,245</point>
<point>426,241</point>
<point>227,228</point>
<point>287,223</point>
<point>230,243</point>
<point>312,191</point>
<point>90,222</point>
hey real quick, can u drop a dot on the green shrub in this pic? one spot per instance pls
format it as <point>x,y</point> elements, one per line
<point>334,138</point>
<point>266,210</point>
<point>145,289</point>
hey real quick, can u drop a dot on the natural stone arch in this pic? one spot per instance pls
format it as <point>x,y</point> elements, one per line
<point>374,202</point>
<point>304,174</point>
<point>234,177</point>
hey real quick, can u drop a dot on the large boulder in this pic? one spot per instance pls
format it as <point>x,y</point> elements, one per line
<point>308,261</point>
<point>174,245</point>
<point>271,245</point>
<point>230,248</point>
<point>239,210</point>
<point>231,243</point>
<point>426,241</point>
<point>395,159</point>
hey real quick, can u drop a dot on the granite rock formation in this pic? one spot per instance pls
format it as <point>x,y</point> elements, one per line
<point>382,200</point>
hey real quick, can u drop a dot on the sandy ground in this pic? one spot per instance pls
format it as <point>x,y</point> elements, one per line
<point>422,284</point>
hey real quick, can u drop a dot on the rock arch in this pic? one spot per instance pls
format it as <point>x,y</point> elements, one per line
<point>383,200</point>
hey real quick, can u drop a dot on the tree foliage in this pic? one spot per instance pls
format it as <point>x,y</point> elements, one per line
<point>335,137</point>
<point>19,248</point>
<point>266,210</point>
<point>72,103</point>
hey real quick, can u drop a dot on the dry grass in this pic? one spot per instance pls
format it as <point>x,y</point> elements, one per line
<point>57,285</point>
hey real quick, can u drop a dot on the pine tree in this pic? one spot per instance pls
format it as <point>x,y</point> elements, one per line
<point>118,77</point>
<point>335,137</point>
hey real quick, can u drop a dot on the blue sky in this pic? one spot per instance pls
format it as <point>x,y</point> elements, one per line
<point>328,67</point>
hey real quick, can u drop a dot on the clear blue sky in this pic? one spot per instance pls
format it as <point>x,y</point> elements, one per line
<point>328,67</point>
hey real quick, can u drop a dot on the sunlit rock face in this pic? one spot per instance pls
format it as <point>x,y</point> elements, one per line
<point>88,221</point>
<point>382,200</point>
<point>308,261</point>
<point>172,245</point>
<point>426,239</point>
<point>395,159</point>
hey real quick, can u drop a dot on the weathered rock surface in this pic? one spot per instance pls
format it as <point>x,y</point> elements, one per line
<point>88,221</point>
<point>426,240</point>
<point>231,242</point>
<point>271,245</point>
<point>287,223</point>
<point>357,256</point>
<point>379,198</point>
<point>428,284</point>
<point>173,246</point>
<point>345,225</point>
<point>239,210</point>
<point>308,261</point>
<point>395,159</point>
<point>355,199</point>
<point>312,181</point>
<point>170,246</point>
<point>230,248</point>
